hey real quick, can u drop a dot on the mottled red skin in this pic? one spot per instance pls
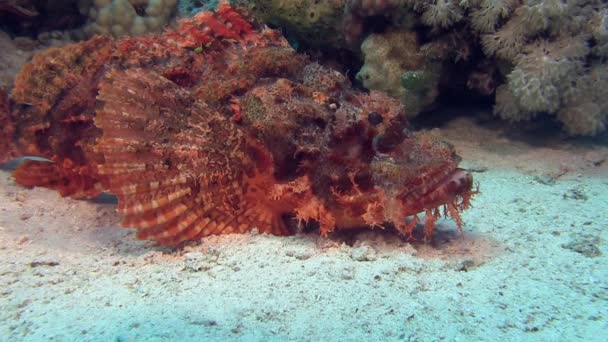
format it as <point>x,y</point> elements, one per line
<point>218,127</point>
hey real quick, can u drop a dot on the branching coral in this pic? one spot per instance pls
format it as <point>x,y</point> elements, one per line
<point>585,109</point>
<point>527,22</point>
<point>487,14</point>
<point>548,43</point>
<point>542,73</point>
<point>599,30</point>
<point>275,136</point>
<point>441,13</point>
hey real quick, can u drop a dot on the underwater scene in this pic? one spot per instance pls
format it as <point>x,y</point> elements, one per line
<point>312,170</point>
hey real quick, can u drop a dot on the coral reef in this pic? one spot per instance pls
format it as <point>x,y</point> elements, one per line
<point>219,126</point>
<point>534,55</point>
<point>126,17</point>
<point>554,48</point>
<point>555,70</point>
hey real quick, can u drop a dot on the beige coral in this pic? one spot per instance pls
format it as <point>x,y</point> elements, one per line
<point>387,56</point>
<point>126,17</point>
<point>393,55</point>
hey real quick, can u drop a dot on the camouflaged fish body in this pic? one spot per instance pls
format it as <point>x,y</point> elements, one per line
<point>218,127</point>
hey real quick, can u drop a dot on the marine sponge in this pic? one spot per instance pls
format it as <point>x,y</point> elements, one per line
<point>489,13</point>
<point>126,17</point>
<point>526,23</point>
<point>357,10</point>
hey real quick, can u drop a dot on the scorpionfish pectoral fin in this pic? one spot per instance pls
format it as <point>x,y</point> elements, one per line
<point>180,170</point>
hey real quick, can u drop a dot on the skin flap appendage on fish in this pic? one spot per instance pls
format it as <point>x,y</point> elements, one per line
<point>219,126</point>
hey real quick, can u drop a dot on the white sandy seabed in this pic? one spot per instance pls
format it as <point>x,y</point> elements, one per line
<point>533,265</point>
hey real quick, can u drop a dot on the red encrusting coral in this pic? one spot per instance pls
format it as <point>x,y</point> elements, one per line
<point>219,126</point>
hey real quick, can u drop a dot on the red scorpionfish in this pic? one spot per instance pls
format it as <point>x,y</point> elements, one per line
<point>219,126</point>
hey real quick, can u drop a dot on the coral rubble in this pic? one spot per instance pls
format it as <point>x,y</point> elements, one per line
<point>219,126</point>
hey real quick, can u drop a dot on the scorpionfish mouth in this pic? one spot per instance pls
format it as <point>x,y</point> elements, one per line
<point>456,185</point>
<point>452,193</point>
